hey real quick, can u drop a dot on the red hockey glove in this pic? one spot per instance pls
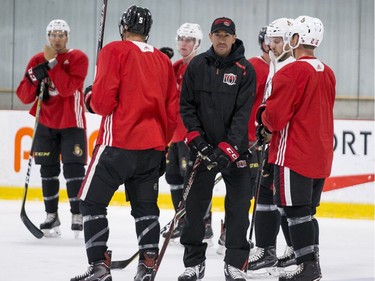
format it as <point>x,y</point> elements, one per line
<point>221,157</point>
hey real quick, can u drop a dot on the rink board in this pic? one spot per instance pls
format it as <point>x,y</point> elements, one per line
<point>350,186</point>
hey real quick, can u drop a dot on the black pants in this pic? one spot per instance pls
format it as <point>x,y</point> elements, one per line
<point>237,179</point>
<point>109,168</point>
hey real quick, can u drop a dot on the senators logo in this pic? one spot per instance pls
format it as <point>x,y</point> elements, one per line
<point>230,79</point>
<point>77,150</point>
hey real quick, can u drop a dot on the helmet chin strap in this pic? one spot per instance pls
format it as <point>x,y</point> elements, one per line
<point>277,59</point>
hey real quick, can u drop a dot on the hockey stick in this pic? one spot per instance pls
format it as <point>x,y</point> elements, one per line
<point>103,17</point>
<point>181,207</point>
<point>259,175</point>
<point>121,264</point>
<point>29,225</point>
<point>166,227</point>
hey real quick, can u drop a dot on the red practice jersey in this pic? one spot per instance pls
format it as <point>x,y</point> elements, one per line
<point>179,70</point>
<point>64,107</point>
<point>135,92</point>
<point>299,113</point>
<point>261,70</point>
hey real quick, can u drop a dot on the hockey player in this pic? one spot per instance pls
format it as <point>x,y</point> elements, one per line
<point>267,221</point>
<point>189,38</point>
<point>61,131</point>
<point>299,115</point>
<point>218,92</point>
<point>135,93</point>
<point>261,66</point>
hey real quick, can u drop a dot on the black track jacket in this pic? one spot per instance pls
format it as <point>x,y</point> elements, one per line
<point>217,97</point>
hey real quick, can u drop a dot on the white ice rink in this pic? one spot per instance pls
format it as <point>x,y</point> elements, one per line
<point>346,247</point>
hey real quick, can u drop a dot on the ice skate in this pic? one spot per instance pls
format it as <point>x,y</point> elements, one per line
<point>50,227</point>
<point>221,242</point>
<point>77,224</point>
<point>232,273</point>
<point>193,273</point>
<point>306,271</point>
<point>209,234</point>
<point>176,233</point>
<point>146,266</point>
<point>287,259</point>
<point>263,263</point>
<point>97,271</point>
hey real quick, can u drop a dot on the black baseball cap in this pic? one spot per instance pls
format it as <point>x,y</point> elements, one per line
<point>225,24</point>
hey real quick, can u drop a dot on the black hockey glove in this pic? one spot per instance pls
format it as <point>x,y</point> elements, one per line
<point>258,117</point>
<point>38,73</point>
<point>45,92</point>
<point>88,93</point>
<point>198,144</point>
<point>168,51</point>
<point>263,135</point>
<point>221,157</point>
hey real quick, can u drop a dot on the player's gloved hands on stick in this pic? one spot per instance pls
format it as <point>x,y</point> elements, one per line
<point>197,143</point>
<point>221,157</point>
<point>87,94</point>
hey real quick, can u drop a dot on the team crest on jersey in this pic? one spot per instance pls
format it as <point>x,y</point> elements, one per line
<point>241,164</point>
<point>77,150</point>
<point>230,79</point>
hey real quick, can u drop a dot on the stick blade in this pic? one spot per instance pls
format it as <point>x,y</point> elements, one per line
<point>123,263</point>
<point>30,226</point>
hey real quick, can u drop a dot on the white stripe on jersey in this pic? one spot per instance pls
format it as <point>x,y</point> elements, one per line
<point>90,173</point>
<point>78,109</point>
<point>288,197</point>
<point>280,157</point>
<point>107,135</point>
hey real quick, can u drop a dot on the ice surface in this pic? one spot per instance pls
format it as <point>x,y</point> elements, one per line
<point>347,248</point>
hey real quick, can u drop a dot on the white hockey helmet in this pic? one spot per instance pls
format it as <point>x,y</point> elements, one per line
<point>192,30</point>
<point>309,29</point>
<point>278,28</point>
<point>58,25</point>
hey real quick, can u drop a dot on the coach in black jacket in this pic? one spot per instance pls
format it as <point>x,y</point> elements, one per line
<point>217,95</point>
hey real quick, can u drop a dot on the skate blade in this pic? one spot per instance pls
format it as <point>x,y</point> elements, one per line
<point>220,250</point>
<point>286,269</point>
<point>76,233</point>
<point>52,233</point>
<point>268,272</point>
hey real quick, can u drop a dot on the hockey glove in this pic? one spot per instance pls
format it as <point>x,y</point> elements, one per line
<point>221,157</point>
<point>88,93</point>
<point>258,117</point>
<point>38,73</point>
<point>197,143</point>
<point>168,51</point>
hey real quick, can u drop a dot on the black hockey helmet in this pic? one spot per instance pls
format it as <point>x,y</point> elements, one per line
<point>261,37</point>
<point>136,20</point>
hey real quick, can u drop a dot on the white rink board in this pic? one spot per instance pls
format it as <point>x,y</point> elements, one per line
<point>354,149</point>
